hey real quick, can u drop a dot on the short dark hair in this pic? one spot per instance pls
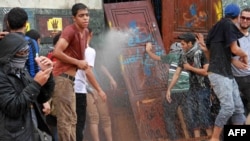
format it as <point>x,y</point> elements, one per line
<point>187,37</point>
<point>78,6</point>
<point>17,18</point>
<point>33,34</point>
<point>247,9</point>
<point>56,38</point>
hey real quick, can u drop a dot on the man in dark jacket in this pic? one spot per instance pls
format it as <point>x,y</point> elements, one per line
<point>19,92</point>
<point>15,21</point>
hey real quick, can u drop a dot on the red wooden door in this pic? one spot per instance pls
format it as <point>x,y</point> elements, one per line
<point>180,16</point>
<point>146,80</point>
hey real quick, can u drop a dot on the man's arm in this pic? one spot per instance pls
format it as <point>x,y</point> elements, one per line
<point>201,42</point>
<point>92,80</point>
<point>235,49</point>
<point>238,64</point>
<point>112,81</point>
<point>205,50</point>
<point>60,46</point>
<point>172,83</point>
<point>201,71</point>
<point>150,53</point>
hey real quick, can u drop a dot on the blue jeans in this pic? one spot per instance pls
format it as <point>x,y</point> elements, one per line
<point>198,101</point>
<point>227,91</point>
<point>170,115</point>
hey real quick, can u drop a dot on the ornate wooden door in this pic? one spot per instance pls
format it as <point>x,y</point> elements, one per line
<point>146,80</point>
<point>180,16</point>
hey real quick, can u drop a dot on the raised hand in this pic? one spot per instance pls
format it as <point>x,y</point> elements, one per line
<point>200,40</point>
<point>54,24</point>
<point>42,76</point>
<point>44,62</point>
<point>148,46</point>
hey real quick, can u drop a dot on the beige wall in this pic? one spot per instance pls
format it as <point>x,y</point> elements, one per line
<point>50,4</point>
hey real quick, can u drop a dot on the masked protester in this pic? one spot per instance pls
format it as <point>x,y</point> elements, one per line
<point>20,94</point>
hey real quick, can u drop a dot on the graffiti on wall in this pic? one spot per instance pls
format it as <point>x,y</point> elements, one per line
<point>218,10</point>
<point>139,34</point>
<point>50,25</point>
<point>195,16</point>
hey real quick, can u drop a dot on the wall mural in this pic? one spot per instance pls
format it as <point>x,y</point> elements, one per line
<point>218,7</point>
<point>195,16</point>
<point>50,25</point>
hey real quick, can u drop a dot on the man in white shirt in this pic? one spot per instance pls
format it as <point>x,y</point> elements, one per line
<point>80,88</point>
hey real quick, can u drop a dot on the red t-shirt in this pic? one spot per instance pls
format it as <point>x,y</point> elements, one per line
<point>50,56</point>
<point>75,49</point>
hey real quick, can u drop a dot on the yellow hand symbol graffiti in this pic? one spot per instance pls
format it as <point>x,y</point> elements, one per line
<point>54,24</point>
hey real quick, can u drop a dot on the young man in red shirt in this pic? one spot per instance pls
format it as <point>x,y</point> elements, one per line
<point>69,56</point>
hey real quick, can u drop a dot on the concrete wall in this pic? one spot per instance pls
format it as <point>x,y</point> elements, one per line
<point>54,8</point>
<point>50,4</point>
